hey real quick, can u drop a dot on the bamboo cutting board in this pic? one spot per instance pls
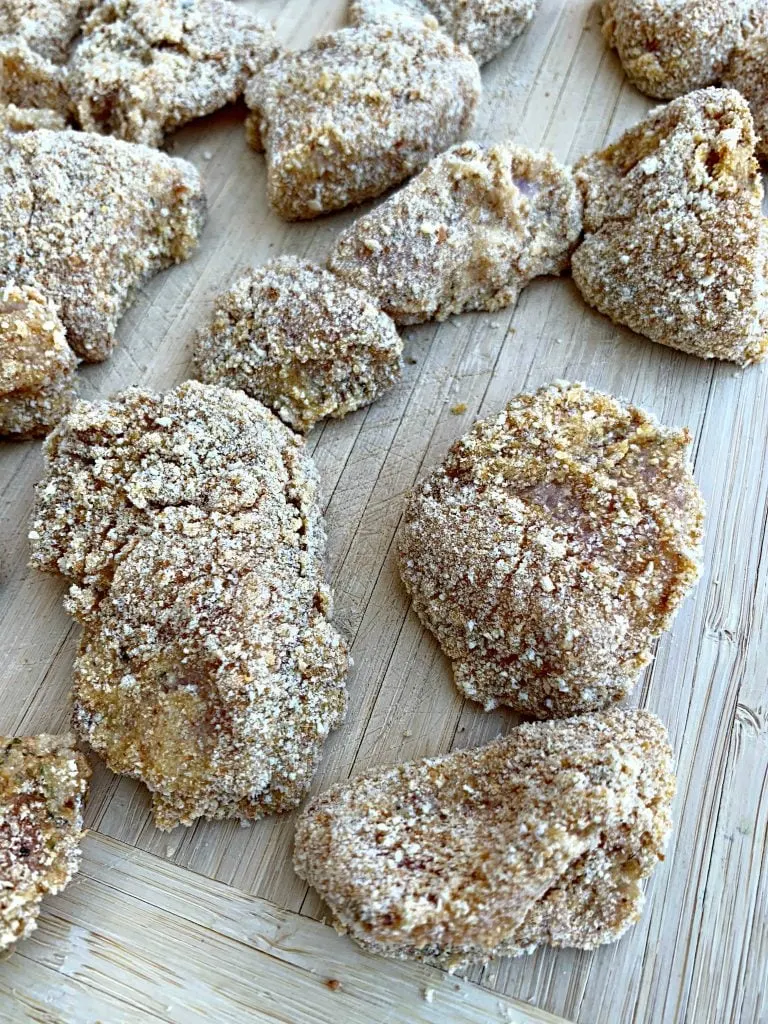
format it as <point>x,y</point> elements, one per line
<point>210,923</point>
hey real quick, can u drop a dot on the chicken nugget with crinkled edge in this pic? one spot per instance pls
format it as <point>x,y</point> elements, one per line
<point>540,838</point>
<point>669,48</point>
<point>485,27</point>
<point>470,232</point>
<point>358,112</point>
<point>189,527</point>
<point>675,239</point>
<point>91,219</point>
<point>552,547</point>
<point>301,341</point>
<point>747,71</point>
<point>47,26</point>
<point>37,366</point>
<point>43,783</point>
<point>146,67</point>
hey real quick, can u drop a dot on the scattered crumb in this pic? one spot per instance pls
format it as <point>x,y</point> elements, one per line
<point>428,995</point>
<point>333,984</point>
<point>459,409</point>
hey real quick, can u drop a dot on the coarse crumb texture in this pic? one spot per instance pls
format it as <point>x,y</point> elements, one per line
<point>552,546</point>
<point>300,340</point>
<point>47,26</point>
<point>540,838</point>
<point>669,47</point>
<point>359,111</point>
<point>89,219</point>
<point>145,67</point>
<point>43,782</point>
<point>37,366</point>
<point>469,232</point>
<point>26,119</point>
<point>747,71</point>
<point>28,80</point>
<point>485,27</point>
<point>189,527</point>
<point>675,240</point>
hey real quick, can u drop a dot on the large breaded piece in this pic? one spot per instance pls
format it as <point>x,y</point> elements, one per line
<point>675,238</point>
<point>552,547</point>
<point>47,26</point>
<point>37,366</point>
<point>43,782</point>
<point>356,113</point>
<point>540,838</point>
<point>301,341</point>
<point>88,220</point>
<point>470,232</point>
<point>189,527</point>
<point>669,47</point>
<point>145,67</point>
<point>485,27</point>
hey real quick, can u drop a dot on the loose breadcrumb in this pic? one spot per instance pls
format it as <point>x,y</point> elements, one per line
<point>43,782</point>
<point>469,232</point>
<point>485,27</point>
<point>551,548</point>
<point>668,49</point>
<point>89,219</point>
<point>357,112</point>
<point>145,67</point>
<point>541,838</point>
<point>300,340</point>
<point>675,244</point>
<point>37,366</point>
<point>47,26</point>
<point>189,527</point>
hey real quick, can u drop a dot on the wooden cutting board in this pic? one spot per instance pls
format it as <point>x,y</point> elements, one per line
<point>210,923</point>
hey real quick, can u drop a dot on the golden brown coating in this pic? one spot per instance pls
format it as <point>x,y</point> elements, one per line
<point>485,27</point>
<point>189,527</point>
<point>357,112</point>
<point>43,782</point>
<point>540,838</point>
<point>747,71</point>
<point>145,67</point>
<point>470,232</point>
<point>675,244</point>
<point>90,219</point>
<point>47,26</point>
<point>551,548</point>
<point>301,341</point>
<point>37,366</point>
<point>669,47</point>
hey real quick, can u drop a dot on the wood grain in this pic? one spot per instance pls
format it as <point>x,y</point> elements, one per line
<point>700,953</point>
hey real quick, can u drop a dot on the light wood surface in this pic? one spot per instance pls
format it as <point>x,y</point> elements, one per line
<point>143,931</point>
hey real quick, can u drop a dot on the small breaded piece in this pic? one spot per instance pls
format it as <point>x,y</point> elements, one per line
<point>89,219</point>
<point>357,112</point>
<point>675,244</point>
<point>485,27</point>
<point>539,838</point>
<point>145,67</point>
<point>37,366</point>
<point>28,80</point>
<point>747,71</point>
<point>300,340</point>
<point>43,782</point>
<point>552,547</point>
<point>470,232</point>
<point>189,527</point>
<point>47,26</point>
<point>669,48</point>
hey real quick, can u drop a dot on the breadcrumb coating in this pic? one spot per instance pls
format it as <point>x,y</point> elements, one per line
<point>29,80</point>
<point>358,112</point>
<point>551,548</point>
<point>145,67</point>
<point>47,26</point>
<point>675,243</point>
<point>470,232</point>
<point>89,219</point>
<point>188,525</point>
<point>669,47</point>
<point>43,782</point>
<point>485,27</point>
<point>540,838</point>
<point>37,366</point>
<point>301,341</point>
<point>26,119</point>
<point>747,71</point>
